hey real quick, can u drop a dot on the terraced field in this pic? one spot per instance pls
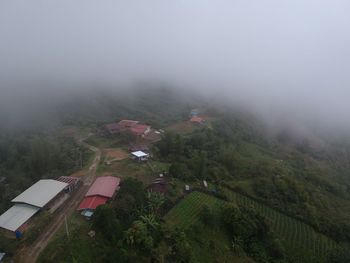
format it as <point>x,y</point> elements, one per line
<point>301,240</point>
<point>187,211</point>
<point>296,234</point>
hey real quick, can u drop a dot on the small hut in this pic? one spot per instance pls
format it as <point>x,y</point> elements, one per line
<point>140,156</point>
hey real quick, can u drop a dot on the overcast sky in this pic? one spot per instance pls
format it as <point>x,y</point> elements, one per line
<point>287,56</point>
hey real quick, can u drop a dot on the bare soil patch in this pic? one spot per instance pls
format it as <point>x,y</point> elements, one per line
<point>115,154</point>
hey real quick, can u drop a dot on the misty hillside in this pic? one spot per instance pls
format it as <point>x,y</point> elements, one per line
<point>175,131</point>
<point>303,177</point>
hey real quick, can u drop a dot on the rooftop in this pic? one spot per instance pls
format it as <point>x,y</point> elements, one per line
<point>16,216</point>
<point>139,154</point>
<point>196,119</point>
<point>140,129</point>
<point>40,193</point>
<point>68,179</point>
<point>91,202</point>
<point>104,186</point>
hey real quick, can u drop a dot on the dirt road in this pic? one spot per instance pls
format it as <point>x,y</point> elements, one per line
<point>31,253</point>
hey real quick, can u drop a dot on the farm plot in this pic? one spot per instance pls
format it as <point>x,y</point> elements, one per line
<point>296,234</point>
<point>188,210</point>
<point>112,154</point>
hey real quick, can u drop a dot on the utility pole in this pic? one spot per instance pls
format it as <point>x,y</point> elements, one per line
<point>81,160</point>
<point>65,220</point>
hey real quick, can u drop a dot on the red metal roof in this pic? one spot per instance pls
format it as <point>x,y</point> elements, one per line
<point>196,119</point>
<point>104,186</point>
<point>140,129</point>
<point>91,202</point>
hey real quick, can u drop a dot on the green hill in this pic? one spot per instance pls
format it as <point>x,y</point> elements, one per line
<point>301,239</point>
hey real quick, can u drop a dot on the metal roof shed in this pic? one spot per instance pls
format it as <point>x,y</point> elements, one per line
<point>139,154</point>
<point>104,186</point>
<point>16,216</point>
<point>40,193</point>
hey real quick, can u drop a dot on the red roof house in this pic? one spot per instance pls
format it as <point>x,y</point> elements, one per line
<point>197,119</point>
<point>104,186</point>
<point>91,202</point>
<point>100,192</point>
<point>140,129</point>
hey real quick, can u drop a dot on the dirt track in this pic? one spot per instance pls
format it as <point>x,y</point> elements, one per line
<point>31,253</point>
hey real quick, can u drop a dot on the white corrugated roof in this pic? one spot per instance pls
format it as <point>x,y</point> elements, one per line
<point>40,193</point>
<point>17,215</point>
<point>139,154</point>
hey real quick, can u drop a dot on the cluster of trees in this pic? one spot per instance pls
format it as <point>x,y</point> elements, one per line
<point>25,159</point>
<point>279,174</point>
<point>251,234</point>
<point>131,230</point>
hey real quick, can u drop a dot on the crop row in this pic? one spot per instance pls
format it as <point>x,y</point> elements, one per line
<point>296,234</point>
<point>187,211</point>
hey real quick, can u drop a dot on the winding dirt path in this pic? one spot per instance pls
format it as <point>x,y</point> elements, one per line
<point>31,253</point>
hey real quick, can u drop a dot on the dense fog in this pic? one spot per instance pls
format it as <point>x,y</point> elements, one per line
<point>283,59</point>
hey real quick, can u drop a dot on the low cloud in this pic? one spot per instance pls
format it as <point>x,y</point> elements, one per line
<point>279,58</point>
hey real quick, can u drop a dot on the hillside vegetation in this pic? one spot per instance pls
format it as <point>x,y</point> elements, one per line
<point>273,196</point>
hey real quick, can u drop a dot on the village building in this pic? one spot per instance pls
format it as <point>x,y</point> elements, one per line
<point>159,185</point>
<point>197,120</point>
<point>194,112</point>
<point>100,192</point>
<point>140,129</point>
<point>73,182</point>
<point>45,194</point>
<point>140,156</point>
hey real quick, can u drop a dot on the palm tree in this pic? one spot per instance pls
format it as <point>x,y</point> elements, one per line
<point>150,220</point>
<point>155,201</point>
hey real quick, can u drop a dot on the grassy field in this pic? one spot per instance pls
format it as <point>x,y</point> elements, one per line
<point>159,167</point>
<point>56,249</point>
<point>128,168</point>
<point>296,234</point>
<point>103,142</point>
<point>210,244</point>
<point>300,239</point>
<point>187,211</point>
